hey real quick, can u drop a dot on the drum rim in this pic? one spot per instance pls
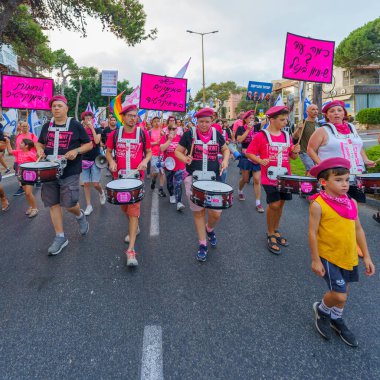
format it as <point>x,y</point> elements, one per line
<point>53,165</point>
<point>369,175</point>
<point>311,179</point>
<point>212,191</point>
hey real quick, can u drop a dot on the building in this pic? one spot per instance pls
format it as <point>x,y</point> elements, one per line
<point>231,103</point>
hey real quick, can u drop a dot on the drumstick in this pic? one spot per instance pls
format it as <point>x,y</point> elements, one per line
<point>303,128</point>
<point>132,173</point>
<point>378,160</point>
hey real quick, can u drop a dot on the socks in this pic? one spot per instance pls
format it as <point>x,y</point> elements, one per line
<point>324,309</point>
<point>61,234</point>
<point>203,242</point>
<point>336,312</point>
<point>258,202</point>
<point>208,229</point>
<point>80,216</point>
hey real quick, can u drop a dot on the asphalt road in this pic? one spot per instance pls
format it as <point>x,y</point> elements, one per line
<point>244,314</point>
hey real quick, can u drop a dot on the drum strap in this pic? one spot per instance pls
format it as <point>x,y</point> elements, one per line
<point>128,143</point>
<point>56,134</point>
<point>280,146</point>
<point>204,146</point>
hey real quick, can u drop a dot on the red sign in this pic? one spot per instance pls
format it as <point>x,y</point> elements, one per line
<point>163,93</point>
<point>26,92</point>
<point>308,59</point>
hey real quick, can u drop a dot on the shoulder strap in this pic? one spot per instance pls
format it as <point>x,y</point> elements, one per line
<point>143,139</point>
<point>267,134</point>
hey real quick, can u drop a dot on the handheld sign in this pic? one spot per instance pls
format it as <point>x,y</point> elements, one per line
<point>163,93</point>
<point>308,59</point>
<point>25,92</point>
<point>259,91</point>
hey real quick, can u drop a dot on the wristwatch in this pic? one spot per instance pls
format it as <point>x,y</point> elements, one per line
<point>78,150</point>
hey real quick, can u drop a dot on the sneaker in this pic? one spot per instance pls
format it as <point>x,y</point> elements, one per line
<point>202,253</point>
<point>260,209</point>
<point>180,206</point>
<point>211,237</point>
<point>342,330</point>
<point>58,244</point>
<point>28,211</point>
<point>153,184</point>
<point>83,224</point>
<point>33,213</point>
<point>161,193</point>
<point>131,258</point>
<point>241,197</point>
<point>88,210</point>
<point>127,237</point>
<point>322,321</point>
<point>7,171</point>
<point>20,191</point>
<point>102,198</point>
<point>172,199</point>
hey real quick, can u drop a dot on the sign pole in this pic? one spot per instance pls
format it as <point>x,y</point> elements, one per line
<point>108,108</point>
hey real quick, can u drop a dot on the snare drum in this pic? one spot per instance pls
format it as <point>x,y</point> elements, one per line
<point>297,185</point>
<point>211,194</point>
<point>369,183</point>
<point>37,172</point>
<point>125,191</point>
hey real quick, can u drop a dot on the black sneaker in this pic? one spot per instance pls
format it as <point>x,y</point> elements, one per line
<point>20,191</point>
<point>322,321</point>
<point>161,193</point>
<point>342,330</point>
<point>202,253</point>
<point>7,171</point>
<point>153,184</point>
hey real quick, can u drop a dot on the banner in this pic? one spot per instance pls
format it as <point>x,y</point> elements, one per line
<point>163,93</point>
<point>308,59</point>
<point>25,92</point>
<point>259,91</point>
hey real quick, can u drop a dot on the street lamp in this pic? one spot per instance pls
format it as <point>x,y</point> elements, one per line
<point>203,61</point>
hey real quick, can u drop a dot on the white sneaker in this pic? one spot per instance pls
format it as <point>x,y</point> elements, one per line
<point>127,237</point>
<point>88,210</point>
<point>102,198</point>
<point>172,199</point>
<point>180,206</point>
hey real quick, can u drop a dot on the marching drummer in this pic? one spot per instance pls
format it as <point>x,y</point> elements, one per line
<point>199,148</point>
<point>132,153</point>
<point>63,137</point>
<point>272,148</point>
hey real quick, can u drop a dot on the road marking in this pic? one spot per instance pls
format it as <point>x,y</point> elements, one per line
<point>152,361</point>
<point>155,216</point>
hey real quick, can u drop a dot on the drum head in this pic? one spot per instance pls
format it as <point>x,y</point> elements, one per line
<point>169,163</point>
<point>39,165</point>
<point>213,186</point>
<point>123,184</point>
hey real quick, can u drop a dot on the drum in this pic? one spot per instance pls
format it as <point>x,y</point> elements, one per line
<point>211,194</point>
<point>297,185</point>
<point>369,183</point>
<point>37,172</point>
<point>125,191</point>
<point>169,163</point>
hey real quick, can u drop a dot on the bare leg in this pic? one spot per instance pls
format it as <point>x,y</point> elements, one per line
<point>2,161</point>
<point>162,179</point>
<point>98,187</point>
<point>133,224</point>
<point>56,218</point>
<point>257,185</point>
<point>29,196</point>
<point>74,210</point>
<point>213,218</point>
<point>200,224</point>
<point>87,192</point>
<point>243,179</point>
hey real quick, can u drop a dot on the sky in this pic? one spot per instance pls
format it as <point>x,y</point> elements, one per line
<point>249,44</point>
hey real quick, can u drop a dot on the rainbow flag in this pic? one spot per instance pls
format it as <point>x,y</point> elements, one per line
<point>115,108</point>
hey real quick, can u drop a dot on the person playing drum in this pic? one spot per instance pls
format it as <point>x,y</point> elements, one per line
<point>132,153</point>
<point>272,148</point>
<point>62,139</point>
<point>199,148</point>
<point>337,138</point>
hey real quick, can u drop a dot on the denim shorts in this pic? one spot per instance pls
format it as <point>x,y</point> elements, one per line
<point>308,163</point>
<point>337,278</point>
<point>91,174</point>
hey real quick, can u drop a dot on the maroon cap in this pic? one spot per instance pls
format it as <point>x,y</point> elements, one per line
<point>334,104</point>
<point>248,114</point>
<point>86,113</point>
<point>57,98</point>
<point>204,112</point>
<point>131,107</point>
<point>330,163</point>
<point>276,110</point>
<point>171,117</point>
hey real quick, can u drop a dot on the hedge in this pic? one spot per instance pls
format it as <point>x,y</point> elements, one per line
<point>368,116</point>
<point>373,153</point>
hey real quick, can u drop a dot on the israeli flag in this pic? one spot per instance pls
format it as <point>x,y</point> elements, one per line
<point>306,104</point>
<point>11,119</point>
<point>35,123</point>
<point>279,101</point>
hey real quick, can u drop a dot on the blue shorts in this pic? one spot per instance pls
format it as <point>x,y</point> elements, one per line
<point>245,164</point>
<point>91,174</point>
<point>337,278</point>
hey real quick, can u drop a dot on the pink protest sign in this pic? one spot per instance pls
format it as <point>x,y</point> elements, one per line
<point>26,92</point>
<point>308,59</point>
<point>163,93</point>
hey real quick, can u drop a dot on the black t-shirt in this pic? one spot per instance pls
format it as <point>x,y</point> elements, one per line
<point>95,151</point>
<point>228,132</point>
<point>68,140</point>
<point>213,150</point>
<point>106,132</point>
<point>241,130</point>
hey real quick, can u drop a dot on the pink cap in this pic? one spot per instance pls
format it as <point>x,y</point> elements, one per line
<point>204,112</point>
<point>276,110</point>
<point>171,117</point>
<point>330,163</point>
<point>126,109</point>
<point>86,113</point>
<point>248,114</point>
<point>57,98</point>
<point>334,103</point>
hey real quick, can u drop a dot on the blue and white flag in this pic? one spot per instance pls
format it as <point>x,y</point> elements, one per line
<point>35,123</point>
<point>11,119</point>
<point>306,104</point>
<point>279,101</point>
<point>96,112</point>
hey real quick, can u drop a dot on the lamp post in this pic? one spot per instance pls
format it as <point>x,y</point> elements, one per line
<point>203,61</point>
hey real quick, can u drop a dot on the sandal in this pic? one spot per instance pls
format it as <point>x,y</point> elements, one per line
<point>28,211</point>
<point>376,217</point>
<point>5,205</point>
<point>33,213</point>
<point>280,239</point>
<point>271,245</point>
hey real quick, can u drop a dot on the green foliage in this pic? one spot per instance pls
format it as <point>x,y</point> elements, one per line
<point>245,105</point>
<point>297,167</point>
<point>369,116</point>
<point>219,91</point>
<point>360,47</point>
<point>373,154</point>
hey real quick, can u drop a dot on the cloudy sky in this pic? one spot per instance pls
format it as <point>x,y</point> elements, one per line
<point>249,45</point>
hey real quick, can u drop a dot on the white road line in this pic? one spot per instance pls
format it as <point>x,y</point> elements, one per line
<point>152,361</point>
<point>155,216</point>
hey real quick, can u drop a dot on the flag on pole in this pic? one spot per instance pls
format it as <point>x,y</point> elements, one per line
<point>181,73</point>
<point>115,108</point>
<point>306,104</point>
<point>96,112</point>
<point>35,124</point>
<point>88,109</point>
<point>11,119</point>
<point>279,101</point>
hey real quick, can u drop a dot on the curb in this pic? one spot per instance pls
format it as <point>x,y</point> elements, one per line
<point>373,202</point>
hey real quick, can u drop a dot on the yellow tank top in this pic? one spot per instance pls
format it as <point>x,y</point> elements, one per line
<point>336,238</point>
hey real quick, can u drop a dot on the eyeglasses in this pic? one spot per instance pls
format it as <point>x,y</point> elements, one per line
<point>172,129</point>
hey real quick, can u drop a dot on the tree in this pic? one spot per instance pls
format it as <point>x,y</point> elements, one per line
<point>66,66</point>
<point>124,18</point>
<point>360,47</point>
<point>219,91</point>
<point>245,105</point>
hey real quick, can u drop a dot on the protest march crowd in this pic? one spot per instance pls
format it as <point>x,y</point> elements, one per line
<point>191,160</point>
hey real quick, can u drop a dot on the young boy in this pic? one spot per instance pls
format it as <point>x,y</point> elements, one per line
<point>334,232</point>
<point>272,148</point>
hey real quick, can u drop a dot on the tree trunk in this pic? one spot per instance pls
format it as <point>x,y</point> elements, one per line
<point>7,9</point>
<point>77,100</point>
